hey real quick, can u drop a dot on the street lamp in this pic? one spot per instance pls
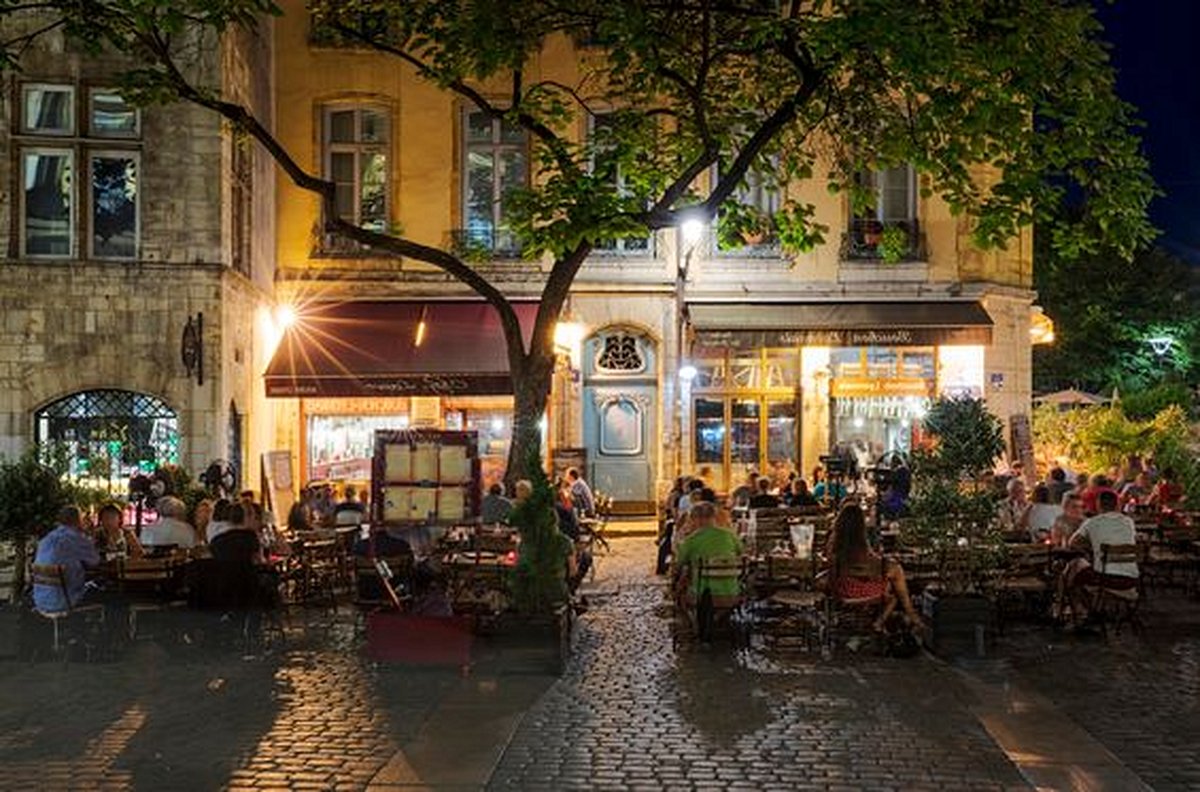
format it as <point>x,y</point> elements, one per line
<point>688,236</point>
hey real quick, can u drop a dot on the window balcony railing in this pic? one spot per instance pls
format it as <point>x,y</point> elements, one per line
<point>891,241</point>
<point>484,244</point>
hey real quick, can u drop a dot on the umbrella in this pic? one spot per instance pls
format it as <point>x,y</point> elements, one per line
<point>1071,397</point>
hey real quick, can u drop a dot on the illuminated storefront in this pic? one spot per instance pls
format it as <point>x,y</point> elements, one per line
<point>778,386</point>
<point>356,367</point>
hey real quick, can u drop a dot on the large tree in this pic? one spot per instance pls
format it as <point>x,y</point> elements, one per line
<point>1002,106</point>
<point>1106,313</point>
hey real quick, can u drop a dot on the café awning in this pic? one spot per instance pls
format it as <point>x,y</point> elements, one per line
<point>745,326</point>
<point>394,349</point>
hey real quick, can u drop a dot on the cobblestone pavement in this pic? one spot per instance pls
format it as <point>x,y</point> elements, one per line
<point>631,712</point>
<point>315,716</point>
<point>1139,695</point>
<point>634,713</point>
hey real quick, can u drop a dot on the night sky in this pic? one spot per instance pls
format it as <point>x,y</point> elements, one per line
<point>1158,70</point>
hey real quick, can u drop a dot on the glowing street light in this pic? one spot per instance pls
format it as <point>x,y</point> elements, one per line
<point>285,316</point>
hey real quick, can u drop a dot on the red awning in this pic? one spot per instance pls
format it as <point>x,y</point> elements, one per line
<point>370,349</point>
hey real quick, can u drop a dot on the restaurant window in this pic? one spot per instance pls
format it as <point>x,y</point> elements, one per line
<point>745,443</point>
<point>108,435</point>
<point>495,162</point>
<point>54,201</point>
<point>710,431</point>
<point>781,438</point>
<point>603,131</point>
<point>356,161</point>
<point>340,447</point>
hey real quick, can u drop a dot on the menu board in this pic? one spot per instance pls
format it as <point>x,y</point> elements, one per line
<point>423,476</point>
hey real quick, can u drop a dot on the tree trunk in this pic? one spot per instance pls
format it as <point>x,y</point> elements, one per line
<point>531,391</point>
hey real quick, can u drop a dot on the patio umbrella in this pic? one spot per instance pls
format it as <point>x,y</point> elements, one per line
<point>1071,397</point>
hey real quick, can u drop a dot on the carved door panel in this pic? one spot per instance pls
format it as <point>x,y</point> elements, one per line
<point>620,405</point>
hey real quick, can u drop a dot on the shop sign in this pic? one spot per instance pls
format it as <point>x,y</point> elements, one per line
<point>398,385</point>
<point>889,337</point>
<point>851,387</point>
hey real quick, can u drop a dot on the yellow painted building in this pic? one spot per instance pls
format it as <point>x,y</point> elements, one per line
<point>759,362</point>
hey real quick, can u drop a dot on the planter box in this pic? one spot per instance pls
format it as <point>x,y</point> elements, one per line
<point>419,640</point>
<point>534,644</point>
<point>960,624</point>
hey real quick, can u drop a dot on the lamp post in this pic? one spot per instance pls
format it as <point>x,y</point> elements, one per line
<point>687,237</point>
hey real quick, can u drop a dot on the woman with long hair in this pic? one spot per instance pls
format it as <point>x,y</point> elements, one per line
<point>858,573</point>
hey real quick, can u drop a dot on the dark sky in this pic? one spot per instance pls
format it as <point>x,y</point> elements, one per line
<point>1157,56</point>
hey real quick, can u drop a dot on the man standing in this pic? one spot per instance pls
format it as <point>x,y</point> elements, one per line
<point>70,547</point>
<point>581,493</point>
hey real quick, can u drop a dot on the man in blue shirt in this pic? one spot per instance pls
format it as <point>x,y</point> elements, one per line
<point>581,493</point>
<point>68,545</point>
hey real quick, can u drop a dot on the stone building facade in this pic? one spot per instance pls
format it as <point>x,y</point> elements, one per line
<point>122,228</point>
<point>783,358</point>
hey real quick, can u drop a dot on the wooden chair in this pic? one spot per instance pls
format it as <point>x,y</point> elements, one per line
<point>150,585</point>
<point>856,616</point>
<point>707,610</point>
<point>320,568</point>
<point>1026,581</point>
<point>1116,605</point>
<point>55,576</point>
<point>370,592</point>
<point>787,604</point>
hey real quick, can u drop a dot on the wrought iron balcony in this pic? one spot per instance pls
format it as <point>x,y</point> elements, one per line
<point>482,244</point>
<point>875,240</point>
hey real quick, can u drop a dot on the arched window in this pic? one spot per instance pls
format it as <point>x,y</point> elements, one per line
<point>109,434</point>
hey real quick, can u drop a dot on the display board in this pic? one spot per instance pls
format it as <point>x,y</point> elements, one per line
<point>425,476</point>
<point>278,488</point>
<point>1022,444</point>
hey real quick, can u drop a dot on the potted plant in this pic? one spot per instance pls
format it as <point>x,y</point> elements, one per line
<point>540,620</point>
<point>893,246</point>
<point>953,519</point>
<point>31,495</point>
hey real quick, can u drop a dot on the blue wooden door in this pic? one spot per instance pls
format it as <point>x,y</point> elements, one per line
<point>620,405</point>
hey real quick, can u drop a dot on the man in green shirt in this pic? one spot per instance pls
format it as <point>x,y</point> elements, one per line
<point>715,548</point>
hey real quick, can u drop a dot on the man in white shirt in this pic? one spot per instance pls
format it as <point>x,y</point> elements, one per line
<point>171,527</point>
<point>1109,527</point>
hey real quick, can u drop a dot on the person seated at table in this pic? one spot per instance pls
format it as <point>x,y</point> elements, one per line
<point>1068,521</point>
<point>826,490</point>
<point>707,542</point>
<point>239,543</point>
<point>762,498</point>
<point>1057,484</point>
<point>857,573</point>
<point>219,523</point>
<point>581,494</point>
<point>1099,483</point>
<point>201,517</point>
<point>1014,511</point>
<point>494,507</point>
<point>67,545</point>
<point>1042,514</point>
<point>799,495</point>
<point>1136,492</point>
<point>113,540</point>
<point>1168,493</point>
<point>1109,527</point>
<point>387,543</point>
<point>299,517</point>
<point>171,528</point>
<point>349,510</point>
<point>691,495</point>
<point>740,498</point>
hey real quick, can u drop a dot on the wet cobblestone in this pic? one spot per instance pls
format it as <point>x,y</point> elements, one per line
<point>633,712</point>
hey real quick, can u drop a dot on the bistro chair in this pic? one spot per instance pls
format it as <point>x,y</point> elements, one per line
<point>55,576</point>
<point>369,574</point>
<point>787,605</point>
<point>151,586</point>
<point>705,612</point>
<point>1026,582</point>
<point>1116,605</point>
<point>320,568</point>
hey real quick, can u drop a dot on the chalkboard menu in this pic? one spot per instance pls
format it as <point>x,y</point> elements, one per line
<point>425,476</point>
<point>1022,444</point>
